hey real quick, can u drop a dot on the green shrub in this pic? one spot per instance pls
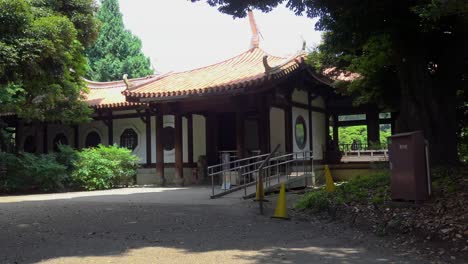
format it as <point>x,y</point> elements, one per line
<point>66,156</point>
<point>316,200</point>
<point>372,188</point>
<point>104,167</point>
<point>30,172</point>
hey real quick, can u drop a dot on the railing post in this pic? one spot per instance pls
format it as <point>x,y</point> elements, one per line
<point>212,184</point>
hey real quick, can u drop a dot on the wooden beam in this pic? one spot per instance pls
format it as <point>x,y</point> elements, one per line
<point>19,135</point>
<point>190,138</point>
<point>211,138</point>
<point>311,139</point>
<point>148,136</point>
<point>264,124</point>
<point>110,133</point>
<point>179,169</point>
<point>160,149</point>
<point>335,129</point>
<point>306,106</point>
<point>373,128</point>
<point>288,129</point>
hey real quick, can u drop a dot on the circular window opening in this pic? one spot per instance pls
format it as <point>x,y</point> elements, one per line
<point>30,144</point>
<point>129,139</point>
<point>60,139</point>
<point>169,138</point>
<point>300,132</point>
<point>92,140</point>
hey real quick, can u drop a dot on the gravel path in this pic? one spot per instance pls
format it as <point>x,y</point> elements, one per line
<point>164,225</point>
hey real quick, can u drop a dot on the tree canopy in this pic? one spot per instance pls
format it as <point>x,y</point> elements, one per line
<point>412,57</point>
<point>42,57</point>
<point>116,51</point>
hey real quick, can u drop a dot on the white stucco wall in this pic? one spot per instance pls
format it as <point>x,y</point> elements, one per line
<point>299,96</point>
<point>318,102</point>
<point>169,156</point>
<point>98,126</point>
<point>199,136</point>
<point>55,129</point>
<point>139,127</point>
<point>277,132</point>
<point>305,114</point>
<point>318,131</point>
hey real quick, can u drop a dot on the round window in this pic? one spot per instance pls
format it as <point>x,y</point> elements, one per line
<point>60,139</point>
<point>300,132</point>
<point>92,140</point>
<point>129,139</point>
<point>169,137</point>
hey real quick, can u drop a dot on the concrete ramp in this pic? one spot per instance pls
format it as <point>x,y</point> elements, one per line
<point>271,184</point>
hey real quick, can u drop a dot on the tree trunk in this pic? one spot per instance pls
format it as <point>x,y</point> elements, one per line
<point>429,106</point>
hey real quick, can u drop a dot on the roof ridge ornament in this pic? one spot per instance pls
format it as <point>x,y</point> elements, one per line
<point>254,42</point>
<point>267,67</point>
<point>126,81</point>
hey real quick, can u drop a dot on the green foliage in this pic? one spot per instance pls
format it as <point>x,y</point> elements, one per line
<point>411,57</point>
<point>368,189</point>
<point>104,167</point>
<point>29,172</point>
<point>66,156</point>
<point>42,58</point>
<point>116,50</point>
<point>445,180</point>
<point>90,169</point>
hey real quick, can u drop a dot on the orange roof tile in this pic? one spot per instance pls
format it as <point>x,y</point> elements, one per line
<point>246,70</point>
<point>109,94</point>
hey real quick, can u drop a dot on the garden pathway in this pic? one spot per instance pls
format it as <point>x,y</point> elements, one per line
<point>171,225</point>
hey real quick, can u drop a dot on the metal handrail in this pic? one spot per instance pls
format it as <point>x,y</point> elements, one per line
<point>271,164</point>
<point>260,177</point>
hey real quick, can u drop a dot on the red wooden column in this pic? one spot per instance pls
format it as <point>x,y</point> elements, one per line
<point>211,138</point>
<point>76,129</point>
<point>45,141</point>
<point>335,130</point>
<point>264,124</point>
<point>190,138</point>
<point>373,128</point>
<point>240,134</point>
<point>179,166</point>
<point>311,133</point>
<point>288,127</point>
<point>147,120</point>
<point>19,135</point>
<point>160,149</point>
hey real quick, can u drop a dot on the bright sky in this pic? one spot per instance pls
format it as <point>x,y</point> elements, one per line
<point>179,35</point>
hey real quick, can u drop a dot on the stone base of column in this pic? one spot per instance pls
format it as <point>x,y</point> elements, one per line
<point>179,182</point>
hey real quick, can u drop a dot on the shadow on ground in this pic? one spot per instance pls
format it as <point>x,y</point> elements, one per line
<point>150,227</point>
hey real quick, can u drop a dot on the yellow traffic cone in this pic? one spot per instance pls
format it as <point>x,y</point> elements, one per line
<point>259,196</point>
<point>329,185</point>
<point>280,211</point>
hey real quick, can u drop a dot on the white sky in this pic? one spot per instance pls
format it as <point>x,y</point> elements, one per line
<point>179,35</point>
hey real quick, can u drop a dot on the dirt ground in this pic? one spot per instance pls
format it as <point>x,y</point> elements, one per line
<point>173,225</point>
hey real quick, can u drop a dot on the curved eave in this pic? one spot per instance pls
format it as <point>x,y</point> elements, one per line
<point>231,87</point>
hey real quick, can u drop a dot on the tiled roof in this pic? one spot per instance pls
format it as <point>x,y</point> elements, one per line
<point>246,70</point>
<point>109,94</point>
<point>336,74</point>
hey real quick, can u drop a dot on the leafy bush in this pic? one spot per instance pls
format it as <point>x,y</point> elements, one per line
<point>362,189</point>
<point>29,172</point>
<point>67,157</point>
<point>104,167</point>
